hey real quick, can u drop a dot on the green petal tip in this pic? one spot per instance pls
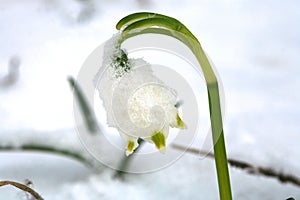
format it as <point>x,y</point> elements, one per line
<point>159,140</point>
<point>130,148</point>
<point>180,123</point>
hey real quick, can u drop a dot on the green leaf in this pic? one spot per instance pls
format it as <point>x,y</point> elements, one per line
<point>142,18</point>
<point>87,113</point>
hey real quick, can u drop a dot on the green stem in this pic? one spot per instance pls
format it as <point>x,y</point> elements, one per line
<point>139,23</point>
<point>126,160</point>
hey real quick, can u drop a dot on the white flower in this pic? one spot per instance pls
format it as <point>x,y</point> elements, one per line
<point>138,104</point>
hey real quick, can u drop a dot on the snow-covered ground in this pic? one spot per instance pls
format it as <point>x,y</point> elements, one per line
<point>253,44</point>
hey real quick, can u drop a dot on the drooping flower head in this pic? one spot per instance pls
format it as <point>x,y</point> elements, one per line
<point>138,104</point>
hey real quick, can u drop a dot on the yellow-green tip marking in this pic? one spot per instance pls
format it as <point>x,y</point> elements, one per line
<point>180,123</point>
<point>130,148</point>
<point>159,140</point>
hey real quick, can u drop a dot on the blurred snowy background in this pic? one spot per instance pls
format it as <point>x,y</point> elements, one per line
<point>254,45</point>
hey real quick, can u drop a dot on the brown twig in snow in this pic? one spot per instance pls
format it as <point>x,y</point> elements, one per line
<point>284,178</point>
<point>22,187</point>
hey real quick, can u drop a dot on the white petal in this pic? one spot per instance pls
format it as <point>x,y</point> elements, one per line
<point>131,143</point>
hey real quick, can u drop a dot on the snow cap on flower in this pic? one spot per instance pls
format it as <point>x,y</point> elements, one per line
<point>138,104</point>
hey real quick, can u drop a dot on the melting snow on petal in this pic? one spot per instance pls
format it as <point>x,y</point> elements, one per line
<point>138,104</point>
